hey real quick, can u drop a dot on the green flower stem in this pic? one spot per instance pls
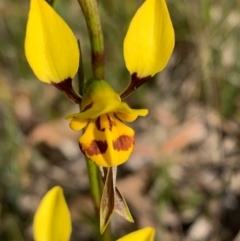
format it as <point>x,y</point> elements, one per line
<point>90,11</point>
<point>107,235</point>
<point>95,184</point>
<point>81,75</point>
<point>93,172</point>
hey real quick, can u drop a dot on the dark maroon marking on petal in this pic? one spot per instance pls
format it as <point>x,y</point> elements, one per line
<point>111,123</point>
<point>135,83</point>
<point>65,87</point>
<point>123,143</point>
<point>115,115</point>
<point>102,146</point>
<point>95,148</point>
<point>98,124</point>
<point>87,107</point>
<point>87,124</point>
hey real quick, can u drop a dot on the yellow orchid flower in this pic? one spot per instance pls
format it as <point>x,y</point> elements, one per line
<point>52,221</point>
<point>52,52</point>
<point>106,140</point>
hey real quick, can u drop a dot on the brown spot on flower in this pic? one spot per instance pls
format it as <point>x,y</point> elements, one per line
<point>123,143</point>
<point>95,148</point>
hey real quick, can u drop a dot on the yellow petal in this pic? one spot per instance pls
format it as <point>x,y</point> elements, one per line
<point>52,220</point>
<point>127,117</point>
<point>50,46</point>
<point>77,124</point>
<point>130,117</point>
<point>149,41</point>
<point>145,234</point>
<point>107,141</point>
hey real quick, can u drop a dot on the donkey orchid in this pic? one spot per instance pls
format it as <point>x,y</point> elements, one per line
<point>52,52</point>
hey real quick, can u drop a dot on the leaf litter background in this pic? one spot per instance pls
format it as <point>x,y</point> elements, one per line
<point>184,175</point>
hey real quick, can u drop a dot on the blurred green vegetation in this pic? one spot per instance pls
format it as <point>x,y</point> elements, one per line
<point>204,69</point>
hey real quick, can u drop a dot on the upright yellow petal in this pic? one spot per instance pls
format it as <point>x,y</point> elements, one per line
<point>149,41</point>
<point>52,220</point>
<point>145,234</point>
<point>50,46</point>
